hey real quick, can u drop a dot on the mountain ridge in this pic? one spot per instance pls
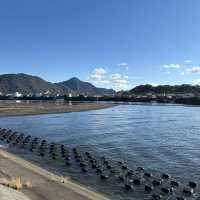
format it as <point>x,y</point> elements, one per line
<point>29,84</point>
<point>26,84</point>
<point>82,87</point>
<point>183,88</point>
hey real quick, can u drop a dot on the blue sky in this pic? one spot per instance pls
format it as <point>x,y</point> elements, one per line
<point>111,43</point>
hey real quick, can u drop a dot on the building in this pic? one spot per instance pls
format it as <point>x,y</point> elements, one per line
<point>17,94</point>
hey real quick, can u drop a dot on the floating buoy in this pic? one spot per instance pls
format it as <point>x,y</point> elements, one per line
<point>165,176</point>
<point>128,186</point>
<point>120,162</point>
<point>109,167</point>
<point>67,158</point>
<point>121,178</point>
<point>137,181</point>
<point>98,170</point>
<point>129,173</point>
<point>192,184</point>
<point>94,166</point>
<point>82,164</point>
<point>84,170</point>
<point>112,171</point>
<point>124,167</point>
<point>157,182</point>
<point>103,177</point>
<point>156,196</point>
<point>76,157</point>
<point>165,190</point>
<point>105,162</point>
<point>174,183</point>
<point>188,191</point>
<point>181,198</point>
<point>67,163</point>
<point>42,154</point>
<point>148,188</point>
<point>87,153</point>
<point>74,149</point>
<point>140,168</point>
<point>103,157</point>
<point>146,174</point>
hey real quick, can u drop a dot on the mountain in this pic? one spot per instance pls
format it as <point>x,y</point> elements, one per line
<point>27,84</point>
<point>86,88</point>
<point>185,88</point>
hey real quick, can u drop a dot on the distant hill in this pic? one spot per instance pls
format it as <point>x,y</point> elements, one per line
<point>142,89</point>
<point>86,88</point>
<point>27,84</point>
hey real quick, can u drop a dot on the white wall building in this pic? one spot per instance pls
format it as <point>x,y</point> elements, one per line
<point>17,94</point>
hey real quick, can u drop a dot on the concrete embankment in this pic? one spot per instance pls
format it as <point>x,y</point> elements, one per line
<point>44,184</point>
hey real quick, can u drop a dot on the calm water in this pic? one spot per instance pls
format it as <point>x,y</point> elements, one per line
<point>159,138</point>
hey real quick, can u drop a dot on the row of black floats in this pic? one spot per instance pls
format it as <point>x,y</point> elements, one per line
<point>163,184</point>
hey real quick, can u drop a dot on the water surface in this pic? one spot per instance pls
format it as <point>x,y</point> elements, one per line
<point>156,137</point>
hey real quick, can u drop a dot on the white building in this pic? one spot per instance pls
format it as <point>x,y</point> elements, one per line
<point>17,94</point>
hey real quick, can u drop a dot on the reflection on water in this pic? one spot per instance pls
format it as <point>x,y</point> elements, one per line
<point>159,138</point>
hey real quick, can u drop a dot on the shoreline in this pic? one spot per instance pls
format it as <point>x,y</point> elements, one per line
<point>22,109</point>
<point>45,184</point>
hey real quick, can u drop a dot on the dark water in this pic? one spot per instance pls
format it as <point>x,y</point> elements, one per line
<point>159,138</point>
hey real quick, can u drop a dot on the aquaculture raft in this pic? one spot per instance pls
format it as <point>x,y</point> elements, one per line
<point>156,187</point>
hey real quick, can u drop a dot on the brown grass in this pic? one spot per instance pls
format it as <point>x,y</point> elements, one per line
<point>14,183</point>
<point>27,184</point>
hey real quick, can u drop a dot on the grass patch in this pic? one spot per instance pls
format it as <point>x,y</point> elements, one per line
<point>14,183</point>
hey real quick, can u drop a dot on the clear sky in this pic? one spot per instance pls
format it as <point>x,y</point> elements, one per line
<point>112,43</point>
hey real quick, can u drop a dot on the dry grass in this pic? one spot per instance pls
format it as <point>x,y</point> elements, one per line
<point>27,184</point>
<point>14,183</point>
